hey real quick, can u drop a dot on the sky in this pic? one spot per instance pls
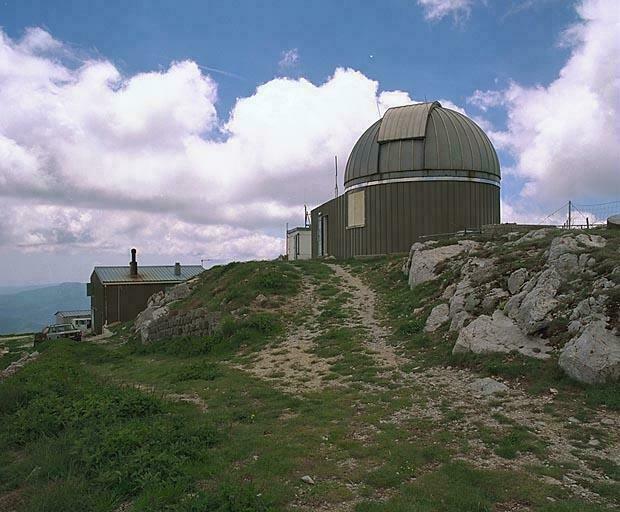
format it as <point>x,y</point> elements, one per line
<point>195,130</point>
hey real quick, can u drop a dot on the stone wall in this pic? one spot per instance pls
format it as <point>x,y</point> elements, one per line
<point>196,322</point>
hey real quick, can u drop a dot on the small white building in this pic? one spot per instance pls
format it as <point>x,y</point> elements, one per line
<point>80,319</point>
<point>299,244</point>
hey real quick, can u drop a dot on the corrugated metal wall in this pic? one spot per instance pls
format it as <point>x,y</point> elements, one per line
<point>398,213</point>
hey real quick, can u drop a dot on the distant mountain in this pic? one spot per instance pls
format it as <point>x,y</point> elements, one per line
<point>32,309</point>
<point>9,290</point>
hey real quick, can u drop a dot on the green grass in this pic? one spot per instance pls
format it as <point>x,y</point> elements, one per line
<point>511,441</point>
<point>236,285</point>
<point>457,487</point>
<point>91,427</point>
<point>251,332</point>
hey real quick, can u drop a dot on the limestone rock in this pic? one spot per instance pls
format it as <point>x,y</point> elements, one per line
<point>307,479</point>
<point>487,387</point>
<point>531,309</point>
<point>604,283</point>
<point>178,292</point>
<point>15,366</point>
<point>458,320</point>
<point>498,334</point>
<point>449,291</point>
<point>534,235</point>
<point>424,261</point>
<point>438,316</point>
<point>593,357</point>
<point>592,241</point>
<point>517,280</point>
<point>561,245</point>
<point>492,298</point>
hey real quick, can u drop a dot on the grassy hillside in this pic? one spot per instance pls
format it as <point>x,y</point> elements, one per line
<point>32,309</point>
<point>317,370</point>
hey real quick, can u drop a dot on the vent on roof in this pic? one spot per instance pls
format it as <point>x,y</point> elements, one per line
<point>406,122</point>
<point>177,269</point>
<point>133,264</point>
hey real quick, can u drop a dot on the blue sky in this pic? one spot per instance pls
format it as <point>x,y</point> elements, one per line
<point>186,128</point>
<point>444,58</point>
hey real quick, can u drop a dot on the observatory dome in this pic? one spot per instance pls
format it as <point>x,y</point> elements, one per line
<point>422,142</point>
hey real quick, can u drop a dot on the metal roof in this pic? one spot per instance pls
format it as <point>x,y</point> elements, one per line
<point>406,122</point>
<point>147,274</point>
<point>77,312</point>
<point>418,139</point>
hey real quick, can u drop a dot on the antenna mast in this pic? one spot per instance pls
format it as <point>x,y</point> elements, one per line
<point>336,187</point>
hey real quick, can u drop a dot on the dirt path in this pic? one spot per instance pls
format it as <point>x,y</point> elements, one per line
<point>291,364</point>
<point>446,396</point>
<point>363,302</point>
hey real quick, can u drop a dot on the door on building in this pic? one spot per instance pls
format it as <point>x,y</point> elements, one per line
<point>322,238</point>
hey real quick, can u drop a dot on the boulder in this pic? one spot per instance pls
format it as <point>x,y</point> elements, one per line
<point>424,261</point>
<point>533,235</point>
<point>593,357</point>
<point>492,298</point>
<point>458,320</point>
<point>449,291</point>
<point>592,241</point>
<point>417,246</point>
<point>498,333</point>
<point>458,299</point>
<point>438,316</point>
<point>561,245</point>
<point>487,387</point>
<point>516,280</point>
<point>530,309</point>
<point>178,292</point>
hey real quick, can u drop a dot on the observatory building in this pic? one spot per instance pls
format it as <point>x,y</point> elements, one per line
<point>420,170</point>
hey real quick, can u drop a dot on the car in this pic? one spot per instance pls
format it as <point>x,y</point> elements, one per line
<point>57,331</point>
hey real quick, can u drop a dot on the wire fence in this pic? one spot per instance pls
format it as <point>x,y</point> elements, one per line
<point>574,215</point>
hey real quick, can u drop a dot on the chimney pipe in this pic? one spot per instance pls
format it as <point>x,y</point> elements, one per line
<point>133,264</point>
<point>177,269</point>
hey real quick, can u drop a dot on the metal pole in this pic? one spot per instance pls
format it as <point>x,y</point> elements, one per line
<point>286,242</point>
<point>570,207</point>
<point>336,187</point>
<point>587,223</point>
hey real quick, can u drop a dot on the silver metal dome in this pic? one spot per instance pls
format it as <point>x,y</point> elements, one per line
<point>422,142</point>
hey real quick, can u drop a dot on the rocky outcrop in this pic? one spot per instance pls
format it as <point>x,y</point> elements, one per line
<point>516,280</point>
<point>498,333</point>
<point>422,260</point>
<point>465,298</point>
<point>438,316</point>
<point>524,310</point>
<point>532,236</point>
<point>531,307</point>
<point>15,366</point>
<point>593,357</point>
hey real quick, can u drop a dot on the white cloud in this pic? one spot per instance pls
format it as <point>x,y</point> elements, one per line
<point>564,136</point>
<point>92,158</point>
<point>289,58</point>
<point>439,9</point>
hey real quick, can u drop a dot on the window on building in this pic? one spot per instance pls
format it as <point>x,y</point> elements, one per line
<point>356,209</point>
